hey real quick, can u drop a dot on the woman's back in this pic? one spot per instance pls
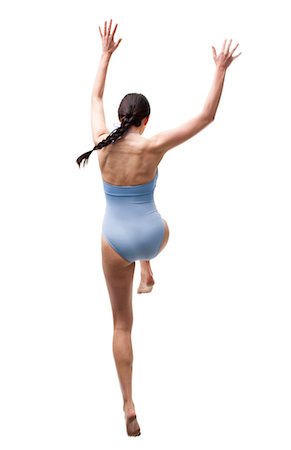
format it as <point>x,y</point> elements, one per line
<point>129,161</point>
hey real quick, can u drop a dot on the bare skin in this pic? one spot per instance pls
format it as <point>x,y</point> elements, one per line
<point>130,161</point>
<point>119,277</point>
<point>146,278</point>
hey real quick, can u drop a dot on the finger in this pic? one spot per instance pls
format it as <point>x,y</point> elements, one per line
<point>213,51</point>
<point>105,28</point>
<point>113,33</point>
<point>233,50</point>
<point>117,43</point>
<point>223,46</point>
<point>100,33</point>
<point>110,24</point>
<point>227,48</point>
<point>236,55</point>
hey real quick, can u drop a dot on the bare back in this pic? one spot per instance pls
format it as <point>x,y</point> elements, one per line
<point>129,161</point>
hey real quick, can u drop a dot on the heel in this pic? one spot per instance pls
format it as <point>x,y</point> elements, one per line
<point>132,426</point>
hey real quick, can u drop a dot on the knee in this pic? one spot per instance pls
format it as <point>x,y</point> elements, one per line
<point>166,236</point>
<point>123,325</point>
<point>167,231</point>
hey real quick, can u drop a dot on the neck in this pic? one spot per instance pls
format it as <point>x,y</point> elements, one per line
<point>136,130</point>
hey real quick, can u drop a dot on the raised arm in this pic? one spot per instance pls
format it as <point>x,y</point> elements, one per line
<point>98,123</point>
<point>164,141</point>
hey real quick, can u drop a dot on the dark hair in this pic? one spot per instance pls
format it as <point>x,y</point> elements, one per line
<point>132,109</point>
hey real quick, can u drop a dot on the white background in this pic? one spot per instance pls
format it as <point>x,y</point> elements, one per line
<point>212,341</point>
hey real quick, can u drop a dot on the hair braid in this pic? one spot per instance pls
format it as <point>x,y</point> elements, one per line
<point>132,110</point>
<point>110,139</point>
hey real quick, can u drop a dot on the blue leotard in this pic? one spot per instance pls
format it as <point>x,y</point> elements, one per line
<point>132,225</point>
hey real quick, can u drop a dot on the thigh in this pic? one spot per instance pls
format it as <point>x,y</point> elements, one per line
<point>118,274</point>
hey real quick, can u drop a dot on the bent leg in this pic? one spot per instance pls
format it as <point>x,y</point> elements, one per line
<point>147,280</point>
<point>166,237</point>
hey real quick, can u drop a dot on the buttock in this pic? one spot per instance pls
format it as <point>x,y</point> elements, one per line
<point>138,240</point>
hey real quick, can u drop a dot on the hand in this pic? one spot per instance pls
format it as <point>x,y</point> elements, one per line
<point>108,44</point>
<point>225,57</point>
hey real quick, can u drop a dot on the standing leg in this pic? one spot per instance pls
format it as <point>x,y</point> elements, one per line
<point>119,278</point>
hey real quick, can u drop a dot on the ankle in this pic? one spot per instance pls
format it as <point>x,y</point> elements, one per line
<point>128,405</point>
<point>145,273</point>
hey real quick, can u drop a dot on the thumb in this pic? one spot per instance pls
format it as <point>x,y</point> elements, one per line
<point>117,43</point>
<point>213,51</point>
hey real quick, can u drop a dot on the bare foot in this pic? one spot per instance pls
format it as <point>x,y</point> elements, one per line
<point>147,281</point>
<point>146,285</point>
<point>132,426</point>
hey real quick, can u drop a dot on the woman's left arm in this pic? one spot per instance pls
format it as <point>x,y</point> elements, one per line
<point>98,124</point>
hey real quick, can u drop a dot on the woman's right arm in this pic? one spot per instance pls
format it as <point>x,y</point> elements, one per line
<point>164,141</point>
<point>98,124</point>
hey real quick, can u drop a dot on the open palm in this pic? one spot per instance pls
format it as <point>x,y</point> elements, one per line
<point>225,57</point>
<point>108,44</point>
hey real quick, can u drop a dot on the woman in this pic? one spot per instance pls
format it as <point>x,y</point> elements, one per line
<point>132,227</point>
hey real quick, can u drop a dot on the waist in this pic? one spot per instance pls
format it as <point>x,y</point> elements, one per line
<point>130,206</point>
<point>129,198</point>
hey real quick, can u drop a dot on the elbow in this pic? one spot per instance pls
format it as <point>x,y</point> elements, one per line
<point>209,118</point>
<point>96,98</point>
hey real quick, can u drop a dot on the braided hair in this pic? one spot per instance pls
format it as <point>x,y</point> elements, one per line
<point>132,110</point>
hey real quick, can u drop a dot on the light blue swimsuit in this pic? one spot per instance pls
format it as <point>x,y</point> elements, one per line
<point>132,225</point>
